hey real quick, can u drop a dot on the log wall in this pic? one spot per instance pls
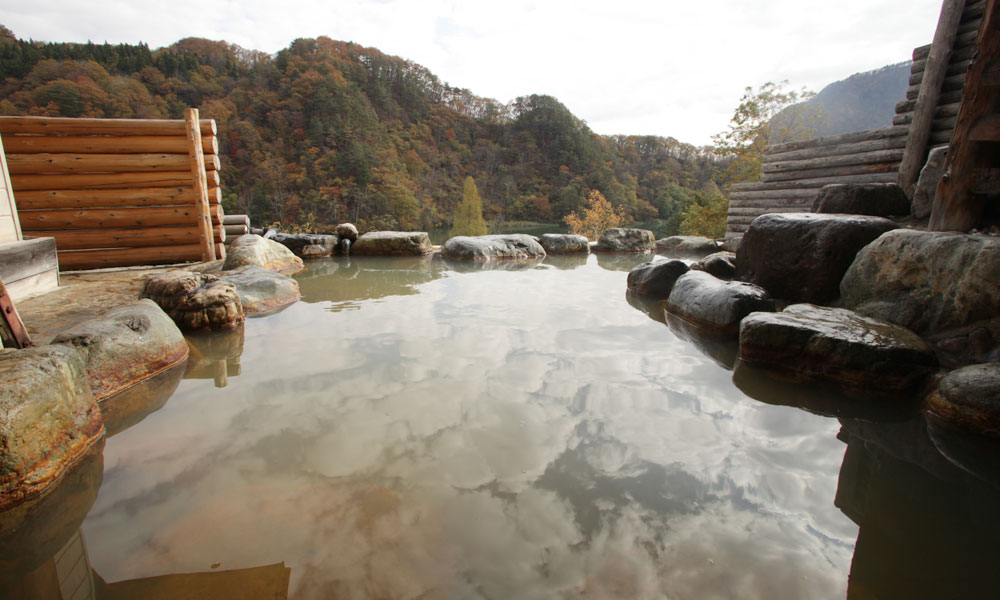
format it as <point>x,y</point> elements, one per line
<point>115,192</point>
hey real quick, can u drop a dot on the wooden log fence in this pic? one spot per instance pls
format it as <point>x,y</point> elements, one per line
<point>118,192</point>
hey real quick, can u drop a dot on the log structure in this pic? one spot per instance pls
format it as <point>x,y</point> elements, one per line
<point>118,192</point>
<point>792,173</point>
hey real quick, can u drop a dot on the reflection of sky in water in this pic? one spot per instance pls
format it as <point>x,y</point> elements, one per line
<point>499,434</point>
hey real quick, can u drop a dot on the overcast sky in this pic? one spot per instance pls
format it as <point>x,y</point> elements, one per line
<point>662,67</point>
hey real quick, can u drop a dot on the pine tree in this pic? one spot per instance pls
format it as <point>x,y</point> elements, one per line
<point>468,218</point>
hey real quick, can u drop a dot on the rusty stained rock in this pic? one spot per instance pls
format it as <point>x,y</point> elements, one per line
<point>196,301</point>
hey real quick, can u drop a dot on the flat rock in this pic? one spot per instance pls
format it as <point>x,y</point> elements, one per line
<point>968,399</point>
<point>262,291</point>
<point>258,251</point>
<point>347,231</point>
<point>195,301</point>
<point>50,418</point>
<point>688,246</point>
<point>656,278</point>
<point>927,184</point>
<point>713,304</point>
<point>125,346</point>
<point>393,243</point>
<point>930,282</point>
<point>618,239</point>
<point>875,199</point>
<point>298,242</point>
<point>720,264</point>
<point>485,248</point>
<point>801,257</point>
<point>814,343</point>
<point>564,243</point>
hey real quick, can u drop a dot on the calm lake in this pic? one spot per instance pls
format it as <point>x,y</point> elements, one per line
<point>419,429</point>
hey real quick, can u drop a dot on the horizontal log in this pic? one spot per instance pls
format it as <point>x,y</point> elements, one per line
<point>93,181</point>
<point>986,129</point>
<point>921,52</point>
<point>955,67</point>
<point>166,196</point>
<point>831,172</point>
<point>754,211</point>
<point>31,164</point>
<point>940,138</point>
<point>76,126</point>
<point>838,149</point>
<point>974,10</point>
<point>108,218</point>
<point>127,238</point>
<point>950,84</point>
<point>764,202</point>
<point>843,138</point>
<point>236,220</point>
<point>131,257</point>
<point>136,144</point>
<point>805,193</point>
<point>861,158</point>
<point>233,230</point>
<point>943,111</point>
<point>909,105</point>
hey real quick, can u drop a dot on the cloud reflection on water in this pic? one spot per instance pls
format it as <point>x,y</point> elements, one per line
<point>514,434</point>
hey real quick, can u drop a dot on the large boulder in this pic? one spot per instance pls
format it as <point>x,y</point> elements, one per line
<point>968,399</point>
<point>927,184</point>
<point>715,305</point>
<point>875,199</point>
<point>347,231</point>
<point>258,251</point>
<point>814,343</point>
<point>195,301</point>
<point>298,242</point>
<point>618,239</point>
<point>720,264</point>
<point>50,418</point>
<point>484,248</point>
<point>262,291</point>
<point>564,243</point>
<point>125,346</point>
<point>656,278</point>
<point>688,246</point>
<point>393,243</point>
<point>801,257</point>
<point>930,282</point>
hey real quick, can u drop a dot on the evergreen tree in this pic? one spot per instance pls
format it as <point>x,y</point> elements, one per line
<point>469,212</point>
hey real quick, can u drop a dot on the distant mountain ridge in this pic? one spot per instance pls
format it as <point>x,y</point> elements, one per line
<point>862,101</point>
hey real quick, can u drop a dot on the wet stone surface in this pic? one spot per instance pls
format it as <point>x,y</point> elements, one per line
<point>655,278</point>
<point>617,239</point>
<point>563,243</point>
<point>485,248</point>
<point>687,246</point>
<point>968,399</point>
<point>393,243</point>
<point>711,303</point>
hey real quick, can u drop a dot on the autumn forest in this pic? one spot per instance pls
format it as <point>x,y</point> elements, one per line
<point>327,131</point>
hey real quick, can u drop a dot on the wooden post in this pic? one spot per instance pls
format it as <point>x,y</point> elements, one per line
<point>960,203</point>
<point>200,183</point>
<point>930,92</point>
<point>12,331</point>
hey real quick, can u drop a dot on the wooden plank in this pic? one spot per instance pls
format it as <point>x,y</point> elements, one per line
<point>943,111</point>
<point>86,239</point>
<point>236,220</point>
<point>199,183</point>
<point>77,126</point>
<point>837,150</point>
<point>33,285</point>
<point>128,257</point>
<point>234,230</point>
<point>12,227</point>
<point>26,258</point>
<point>107,218</point>
<point>843,138</point>
<point>956,206</point>
<point>30,164</point>
<point>955,68</point>
<point>12,329</point>
<point>861,158</point>
<point>157,196</point>
<point>829,173</point>
<point>135,144</point>
<point>929,91</point>
<point>949,84</point>
<point>100,181</point>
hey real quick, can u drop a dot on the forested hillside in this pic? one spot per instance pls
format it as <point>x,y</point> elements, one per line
<point>327,131</point>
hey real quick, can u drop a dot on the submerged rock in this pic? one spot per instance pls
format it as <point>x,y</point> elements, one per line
<point>927,184</point>
<point>719,264</point>
<point>814,343</point>
<point>262,291</point>
<point>483,248</point>
<point>195,301</point>
<point>717,345</point>
<point>393,243</point>
<point>712,304</point>
<point>688,246</point>
<point>617,239</point>
<point>126,345</point>
<point>875,199</point>
<point>968,399</point>
<point>131,405</point>
<point>930,282</point>
<point>801,257</point>
<point>564,243</point>
<point>261,252</point>
<point>50,418</point>
<point>656,278</point>
<point>325,245</point>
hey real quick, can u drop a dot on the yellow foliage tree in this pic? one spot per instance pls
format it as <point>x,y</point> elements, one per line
<point>468,218</point>
<point>598,216</point>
